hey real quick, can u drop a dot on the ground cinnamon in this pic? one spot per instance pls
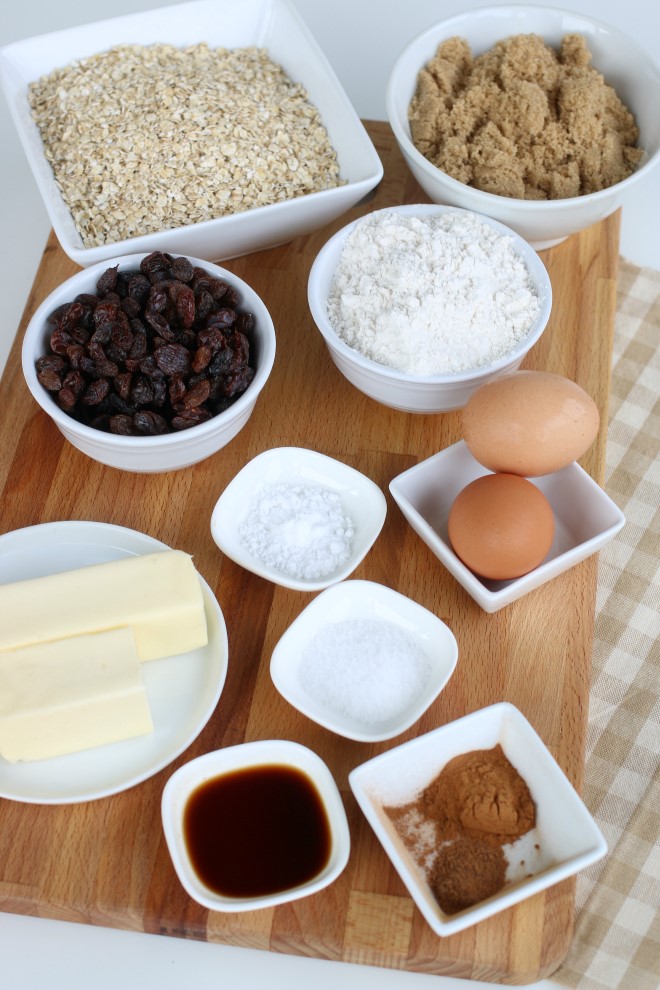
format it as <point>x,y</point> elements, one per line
<point>477,804</point>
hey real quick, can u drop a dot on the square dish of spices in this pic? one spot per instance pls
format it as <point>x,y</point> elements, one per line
<point>209,129</point>
<point>476,816</point>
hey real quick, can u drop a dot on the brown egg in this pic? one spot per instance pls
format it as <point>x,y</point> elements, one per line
<point>501,526</point>
<point>529,423</point>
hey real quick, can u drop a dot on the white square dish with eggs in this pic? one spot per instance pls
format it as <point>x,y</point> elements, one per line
<point>585,519</point>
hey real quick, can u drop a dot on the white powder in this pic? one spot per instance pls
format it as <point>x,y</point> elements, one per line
<point>364,669</point>
<point>299,530</point>
<point>431,295</point>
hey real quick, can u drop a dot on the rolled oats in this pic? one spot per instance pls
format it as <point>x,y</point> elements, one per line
<point>147,138</point>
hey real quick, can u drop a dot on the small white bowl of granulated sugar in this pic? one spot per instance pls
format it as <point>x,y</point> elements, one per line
<point>298,518</point>
<point>420,305</point>
<point>364,661</point>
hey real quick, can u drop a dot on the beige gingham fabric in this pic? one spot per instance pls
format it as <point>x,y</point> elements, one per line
<point>617,932</point>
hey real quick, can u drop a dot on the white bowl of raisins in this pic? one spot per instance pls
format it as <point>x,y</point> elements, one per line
<point>149,363</point>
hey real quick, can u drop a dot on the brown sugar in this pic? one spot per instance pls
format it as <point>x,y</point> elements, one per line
<point>523,120</point>
<point>476,804</point>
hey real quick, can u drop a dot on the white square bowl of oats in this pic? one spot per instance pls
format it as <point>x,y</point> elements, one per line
<point>236,134</point>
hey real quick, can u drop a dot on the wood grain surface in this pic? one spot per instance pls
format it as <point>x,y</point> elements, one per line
<point>105,862</point>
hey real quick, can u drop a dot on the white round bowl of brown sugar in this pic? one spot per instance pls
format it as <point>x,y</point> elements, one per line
<point>540,118</point>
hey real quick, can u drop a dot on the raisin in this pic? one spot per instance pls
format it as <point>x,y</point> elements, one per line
<point>72,317</point>
<point>231,297</point>
<point>204,301</point>
<point>141,393</point>
<point>122,425</point>
<point>67,399</point>
<point>121,337</point>
<point>159,387</point>
<point>74,381</point>
<point>107,281</point>
<point>198,394</point>
<point>103,365</point>
<point>131,306</point>
<point>237,382</point>
<point>51,362</point>
<point>58,314</point>
<point>212,337</point>
<point>182,269</point>
<point>75,354</point>
<point>190,417</point>
<point>95,392</point>
<point>138,287</point>
<point>244,323</point>
<point>185,306</point>
<point>122,384</point>
<point>222,318</point>
<point>173,359</point>
<point>150,423</point>
<point>221,361</point>
<point>177,389</point>
<point>50,380</point>
<point>154,263</point>
<point>139,346</point>
<point>157,322</point>
<point>80,334</point>
<point>59,341</point>
<point>218,289</point>
<point>102,334</point>
<point>201,357</point>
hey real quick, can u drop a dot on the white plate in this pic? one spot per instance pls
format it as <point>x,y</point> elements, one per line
<point>183,690</point>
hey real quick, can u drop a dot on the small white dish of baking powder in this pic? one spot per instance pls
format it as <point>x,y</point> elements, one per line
<point>364,661</point>
<point>298,518</point>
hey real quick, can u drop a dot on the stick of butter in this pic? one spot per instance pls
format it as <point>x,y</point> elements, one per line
<point>71,694</point>
<point>157,594</point>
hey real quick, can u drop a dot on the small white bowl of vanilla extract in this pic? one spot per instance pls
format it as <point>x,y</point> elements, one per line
<point>255,825</point>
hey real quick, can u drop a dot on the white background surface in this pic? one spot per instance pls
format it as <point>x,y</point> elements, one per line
<point>361,38</point>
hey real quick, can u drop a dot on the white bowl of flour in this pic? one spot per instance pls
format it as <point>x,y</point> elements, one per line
<point>420,305</point>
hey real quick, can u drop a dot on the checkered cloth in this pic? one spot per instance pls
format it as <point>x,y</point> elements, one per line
<point>617,930</point>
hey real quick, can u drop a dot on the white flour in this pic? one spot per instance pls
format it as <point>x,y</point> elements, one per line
<point>431,295</point>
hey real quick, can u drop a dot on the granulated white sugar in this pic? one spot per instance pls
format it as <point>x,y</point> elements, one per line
<point>364,669</point>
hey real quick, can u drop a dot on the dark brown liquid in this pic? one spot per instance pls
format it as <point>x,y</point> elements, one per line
<point>257,831</point>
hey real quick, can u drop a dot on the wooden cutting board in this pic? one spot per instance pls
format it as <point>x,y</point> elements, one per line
<point>105,862</point>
